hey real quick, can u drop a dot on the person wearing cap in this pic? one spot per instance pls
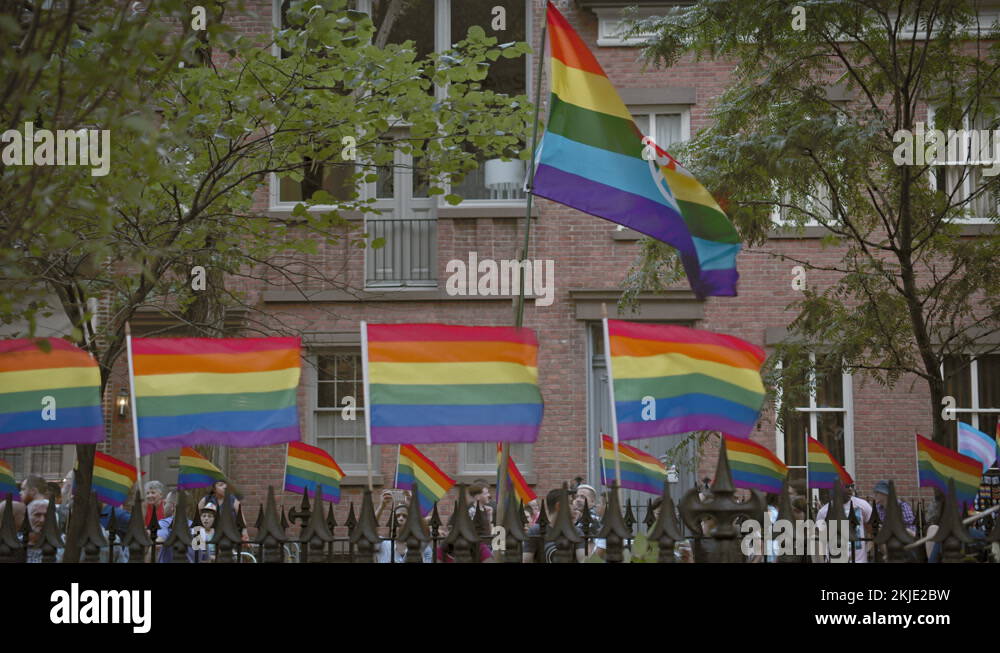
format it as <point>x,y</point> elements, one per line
<point>882,496</point>
<point>202,549</point>
<point>587,493</point>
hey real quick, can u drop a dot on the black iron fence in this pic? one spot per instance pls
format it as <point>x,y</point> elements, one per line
<point>706,525</point>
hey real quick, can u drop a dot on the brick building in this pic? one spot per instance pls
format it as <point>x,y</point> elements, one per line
<point>868,427</point>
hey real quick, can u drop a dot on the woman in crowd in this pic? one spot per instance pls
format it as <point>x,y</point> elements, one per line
<point>387,551</point>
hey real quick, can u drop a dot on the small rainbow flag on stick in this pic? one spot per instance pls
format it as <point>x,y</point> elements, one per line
<point>937,464</point>
<point>671,379</point>
<point>521,487</point>
<point>308,466</point>
<point>594,158</point>
<point>824,468</point>
<point>196,471</point>
<point>112,479</point>
<point>640,471</point>
<point>753,465</point>
<point>50,393</point>
<point>440,383</point>
<point>238,392</point>
<point>7,483</point>
<point>425,480</point>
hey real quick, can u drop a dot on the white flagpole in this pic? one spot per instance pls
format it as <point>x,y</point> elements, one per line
<point>135,407</point>
<point>611,394</point>
<point>368,405</point>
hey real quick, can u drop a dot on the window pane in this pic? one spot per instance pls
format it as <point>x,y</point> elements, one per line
<point>415,23</point>
<point>642,122</point>
<point>829,385</point>
<point>958,380</point>
<point>408,257</point>
<point>831,433</point>
<point>327,395</point>
<point>385,186</point>
<point>989,382</point>
<point>336,179</point>
<point>668,130</point>
<point>506,75</point>
<point>796,427</point>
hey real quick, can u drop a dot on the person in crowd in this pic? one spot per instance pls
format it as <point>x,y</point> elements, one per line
<point>552,501</point>
<point>33,487</point>
<point>387,501</point>
<point>202,549</point>
<point>166,525</point>
<point>65,501</point>
<point>863,512</point>
<point>531,511</point>
<point>217,497</point>
<point>587,495</point>
<point>155,492</point>
<point>881,499</point>
<point>480,495</point>
<point>37,511</point>
<point>395,551</point>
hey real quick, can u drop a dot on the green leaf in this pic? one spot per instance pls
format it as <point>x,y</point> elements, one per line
<point>453,199</point>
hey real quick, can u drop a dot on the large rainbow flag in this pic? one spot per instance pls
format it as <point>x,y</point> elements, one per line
<point>937,464</point>
<point>238,392</point>
<point>640,471</point>
<point>823,468</point>
<point>7,483</point>
<point>196,471</point>
<point>591,158</point>
<point>514,478</point>
<point>418,474</point>
<point>672,379</point>
<point>112,479</point>
<point>440,383</point>
<point>50,393</point>
<point>307,466</point>
<point>753,465</point>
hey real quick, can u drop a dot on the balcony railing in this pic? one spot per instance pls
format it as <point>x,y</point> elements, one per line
<point>409,256</point>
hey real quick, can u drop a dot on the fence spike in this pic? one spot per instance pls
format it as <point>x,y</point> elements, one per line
<point>91,539</point>
<point>666,532</point>
<point>270,534</point>
<point>893,534</point>
<point>462,535</point>
<point>315,536</point>
<point>365,536</point>
<point>136,537</point>
<point>10,546</point>
<point>227,535</point>
<point>414,533</point>
<point>178,540</point>
<point>787,514</point>
<point>614,530</point>
<point>952,534</point>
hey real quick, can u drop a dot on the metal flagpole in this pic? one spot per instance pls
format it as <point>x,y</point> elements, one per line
<point>135,407</point>
<point>611,396</point>
<point>368,405</point>
<point>519,306</point>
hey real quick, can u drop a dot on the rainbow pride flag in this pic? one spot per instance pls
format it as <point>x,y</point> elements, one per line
<point>753,465</point>
<point>824,468</point>
<point>591,159</point>
<point>672,379</point>
<point>937,464</point>
<point>238,392</point>
<point>514,478</point>
<point>196,471</point>
<point>418,474</point>
<point>50,393</point>
<point>7,483</point>
<point>440,383</point>
<point>112,479</point>
<point>640,471</point>
<point>307,466</point>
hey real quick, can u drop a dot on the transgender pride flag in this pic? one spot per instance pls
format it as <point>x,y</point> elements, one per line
<point>976,444</point>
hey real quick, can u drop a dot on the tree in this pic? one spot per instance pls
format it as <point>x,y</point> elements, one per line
<point>912,288</point>
<point>222,123</point>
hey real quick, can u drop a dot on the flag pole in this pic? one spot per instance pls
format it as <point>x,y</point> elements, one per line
<point>368,405</point>
<point>519,305</point>
<point>611,396</point>
<point>135,407</point>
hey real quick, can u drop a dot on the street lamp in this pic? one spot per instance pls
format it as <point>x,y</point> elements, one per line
<point>123,399</point>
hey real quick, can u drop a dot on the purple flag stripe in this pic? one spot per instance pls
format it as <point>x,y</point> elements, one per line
<point>225,438</point>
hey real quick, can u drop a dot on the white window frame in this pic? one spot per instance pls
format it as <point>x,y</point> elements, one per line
<point>975,410</point>
<point>311,378</point>
<point>442,41</point>
<point>651,110</point>
<point>847,390</point>
<point>957,167</point>
<point>609,24</point>
<point>488,471</point>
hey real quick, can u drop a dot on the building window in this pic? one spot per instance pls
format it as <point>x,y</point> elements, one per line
<point>610,24</point>
<point>975,385</point>
<point>480,458</point>
<point>667,125</point>
<point>338,376</point>
<point>827,416</point>
<point>433,26</point>
<point>960,174</point>
<point>50,461</point>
